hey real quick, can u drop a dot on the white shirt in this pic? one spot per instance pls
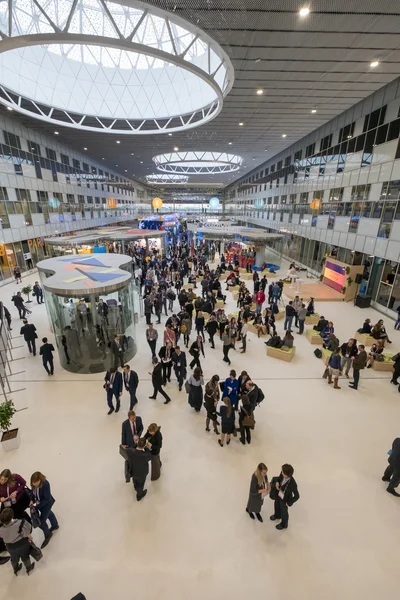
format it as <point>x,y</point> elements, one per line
<point>244,329</point>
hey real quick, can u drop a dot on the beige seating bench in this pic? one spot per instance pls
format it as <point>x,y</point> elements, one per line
<point>326,354</point>
<point>364,338</point>
<point>314,337</point>
<point>312,319</point>
<point>384,365</point>
<point>219,304</point>
<point>253,329</point>
<point>281,354</point>
<point>280,315</point>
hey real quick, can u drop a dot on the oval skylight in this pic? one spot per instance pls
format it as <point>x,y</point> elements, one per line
<point>99,65</point>
<point>197,163</point>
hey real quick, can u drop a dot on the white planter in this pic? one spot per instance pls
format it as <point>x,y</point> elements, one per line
<point>13,443</point>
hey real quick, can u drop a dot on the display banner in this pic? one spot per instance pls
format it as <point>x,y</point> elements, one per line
<point>334,276</point>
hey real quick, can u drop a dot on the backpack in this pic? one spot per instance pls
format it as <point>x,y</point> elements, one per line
<point>260,396</point>
<point>318,353</point>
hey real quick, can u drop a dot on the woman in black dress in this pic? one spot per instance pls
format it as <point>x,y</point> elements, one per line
<point>154,439</point>
<point>227,415</point>
<point>196,382</point>
<point>195,349</point>
<point>211,398</point>
<point>259,488</point>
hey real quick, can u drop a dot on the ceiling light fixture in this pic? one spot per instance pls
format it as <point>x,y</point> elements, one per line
<point>230,143</point>
<point>78,55</point>
<point>374,64</point>
<point>56,133</point>
<point>241,124</point>
<point>85,148</point>
<point>118,142</point>
<point>304,12</point>
<point>283,134</point>
<point>176,149</point>
<point>197,162</point>
<point>103,158</point>
<point>170,134</point>
<point>9,108</point>
<point>314,110</point>
<point>260,92</point>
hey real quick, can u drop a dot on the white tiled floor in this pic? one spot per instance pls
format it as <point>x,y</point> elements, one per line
<point>190,537</point>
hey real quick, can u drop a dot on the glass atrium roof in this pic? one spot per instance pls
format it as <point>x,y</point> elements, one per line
<point>197,162</point>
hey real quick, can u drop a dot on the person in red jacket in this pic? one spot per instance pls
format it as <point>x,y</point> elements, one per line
<point>260,299</point>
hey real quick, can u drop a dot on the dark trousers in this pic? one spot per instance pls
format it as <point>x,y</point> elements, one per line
<point>396,375</point>
<point>118,360</point>
<point>20,551</point>
<point>148,318</point>
<point>212,339</point>
<point>158,315</point>
<point>48,361</point>
<point>245,431</point>
<point>244,342</point>
<point>296,319</point>
<point>356,376</point>
<point>195,361</point>
<point>110,394</point>
<point>281,511</point>
<point>225,350</point>
<point>21,311</point>
<point>32,346</point>
<point>301,325</point>
<point>152,344</point>
<point>221,329</point>
<point>159,389</point>
<point>165,308</point>
<point>201,332</point>
<point>186,339</point>
<point>179,374</point>
<point>39,298</point>
<point>394,477</point>
<point>166,371</point>
<point>133,399</point>
<point>44,515</point>
<point>138,484</point>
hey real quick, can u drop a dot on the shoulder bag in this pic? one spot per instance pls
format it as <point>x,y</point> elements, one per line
<point>188,387</point>
<point>248,420</point>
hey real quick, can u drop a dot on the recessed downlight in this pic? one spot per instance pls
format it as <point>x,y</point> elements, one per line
<point>56,133</point>
<point>85,148</point>
<point>118,142</point>
<point>176,148</point>
<point>9,108</point>
<point>283,134</point>
<point>314,110</point>
<point>241,124</point>
<point>260,92</point>
<point>374,64</point>
<point>304,12</point>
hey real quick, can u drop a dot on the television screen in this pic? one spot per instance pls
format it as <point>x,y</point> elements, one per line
<point>334,275</point>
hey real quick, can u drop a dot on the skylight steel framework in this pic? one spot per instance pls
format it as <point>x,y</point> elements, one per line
<point>167,179</point>
<point>97,65</point>
<point>197,163</point>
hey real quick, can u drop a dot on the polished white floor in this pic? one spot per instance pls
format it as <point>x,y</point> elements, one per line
<point>190,537</point>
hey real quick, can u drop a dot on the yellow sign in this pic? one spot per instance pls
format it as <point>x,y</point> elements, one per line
<point>111,203</point>
<point>315,204</point>
<point>157,203</point>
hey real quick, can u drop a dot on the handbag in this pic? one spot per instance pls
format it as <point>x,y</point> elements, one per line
<point>35,552</point>
<point>273,494</point>
<point>35,519</point>
<point>326,373</point>
<point>188,387</point>
<point>248,420</point>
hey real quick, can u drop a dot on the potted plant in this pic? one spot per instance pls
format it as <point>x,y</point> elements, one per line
<point>10,439</point>
<point>27,290</point>
<point>347,270</point>
<point>344,289</point>
<point>349,280</point>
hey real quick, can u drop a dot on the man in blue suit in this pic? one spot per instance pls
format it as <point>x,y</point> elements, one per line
<point>132,430</point>
<point>113,386</point>
<point>131,381</point>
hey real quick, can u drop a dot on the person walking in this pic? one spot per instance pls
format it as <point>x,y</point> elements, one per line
<point>38,293</point>
<point>148,305</point>
<point>301,314</point>
<point>195,349</point>
<point>16,534</point>
<point>165,355</point>
<point>396,369</point>
<point>260,299</point>
<point>157,380</point>
<point>169,335</point>
<point>117,351</point>
<point>290,313</point>
<point>18,301</point>
<point>151,337</point>
<point>186,328</point>
<point>211,399</point>
<point>199,324</point>
<point>243,334</point>
<point>42,502</point>
<point>180,366</point>
<point>139,459</point>
<point>359,363</point>
<point>226,344</point>
<point>113,386</point>
<point>131,382</point>
<point>154,440</point>
<point>285,493</point>
<point>17,274</point>
<point>392,471</point>
<point>334,366</point>
<point>227,415</point>
<point>348,351</point>
<point>46,352</point>
<point>212,328</point>
<point>259,488</point>
<point>28,330</point>
<point>196,382</point>
<point>246,420</point>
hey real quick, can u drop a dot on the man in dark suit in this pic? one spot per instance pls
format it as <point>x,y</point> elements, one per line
<point>180,365</point>
<point>117,351</point>
<point>28,330</point>
<point>114,386</point>
<point>102,310</point>
<point>46,352</point>
<point>286,495</point>
<point>157,380</point>
<point>19,305</point>
<point>132,429</point>
<point>139,459</point>
<point>131,382</point>
<point>392,472</point>
<point>38,292</point>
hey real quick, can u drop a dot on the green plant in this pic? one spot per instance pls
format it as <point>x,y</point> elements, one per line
<point>7,411</point>
<point>349,280</point>
<point>347,270</point>
<point>344,289</point>
<point>27,290</point>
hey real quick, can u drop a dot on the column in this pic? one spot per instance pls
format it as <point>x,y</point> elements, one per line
<point>260,257</point>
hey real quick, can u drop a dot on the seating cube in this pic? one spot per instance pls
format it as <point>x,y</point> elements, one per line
<point>326,354</point>
<point>312,319</point>
<point>384,365</point>
<point>281,354</point>
<point>280,315</point>
<point>364,338</point>
<point>314,337</point>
